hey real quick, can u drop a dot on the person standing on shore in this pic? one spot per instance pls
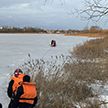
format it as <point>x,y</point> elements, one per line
<point>26,94</point>
<point>14,83</point>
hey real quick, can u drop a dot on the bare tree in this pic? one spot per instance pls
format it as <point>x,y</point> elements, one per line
<point>96,9</point>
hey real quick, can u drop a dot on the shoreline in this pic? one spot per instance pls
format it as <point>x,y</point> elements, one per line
<point>93,35</point>
<point>88,34</point>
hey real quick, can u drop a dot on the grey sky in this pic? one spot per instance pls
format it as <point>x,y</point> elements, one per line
<point>38,13</point>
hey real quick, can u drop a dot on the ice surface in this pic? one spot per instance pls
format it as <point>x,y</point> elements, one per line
<point>14,49</point>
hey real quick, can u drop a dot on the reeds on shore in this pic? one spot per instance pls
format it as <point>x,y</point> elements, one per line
<point>68,85</point>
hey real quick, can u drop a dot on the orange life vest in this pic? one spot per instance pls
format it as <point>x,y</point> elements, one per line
<point>30,92</point>
<point>17,81</point>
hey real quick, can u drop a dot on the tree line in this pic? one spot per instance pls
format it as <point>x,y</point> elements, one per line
<point>92,29</point>
<point>21,30</point>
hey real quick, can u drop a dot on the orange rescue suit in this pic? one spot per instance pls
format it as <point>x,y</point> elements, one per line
<point>30,92</point>
<point>17,81</point>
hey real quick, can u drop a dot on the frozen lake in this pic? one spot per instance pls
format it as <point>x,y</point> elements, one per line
<point>14,49</point>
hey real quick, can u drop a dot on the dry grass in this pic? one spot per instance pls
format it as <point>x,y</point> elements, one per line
<point>89,33</point>
<point>94,54</point>
<point>67,85</point>
<point>59,88</point>
<point>91,49</point>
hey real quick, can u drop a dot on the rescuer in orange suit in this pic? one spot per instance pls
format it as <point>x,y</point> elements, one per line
<point>14,83</point>
<point>26,95</point>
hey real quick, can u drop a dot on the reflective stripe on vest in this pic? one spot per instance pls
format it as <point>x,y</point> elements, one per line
<point>17,81</point>
<point>30,93</point>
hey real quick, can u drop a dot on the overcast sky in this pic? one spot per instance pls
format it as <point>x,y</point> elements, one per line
<point>52,14</point>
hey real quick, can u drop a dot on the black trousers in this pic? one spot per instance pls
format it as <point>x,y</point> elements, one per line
<point>24,105</point>
<point>10,104</point>
<point>0,105</point>
<point>13,104</point>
